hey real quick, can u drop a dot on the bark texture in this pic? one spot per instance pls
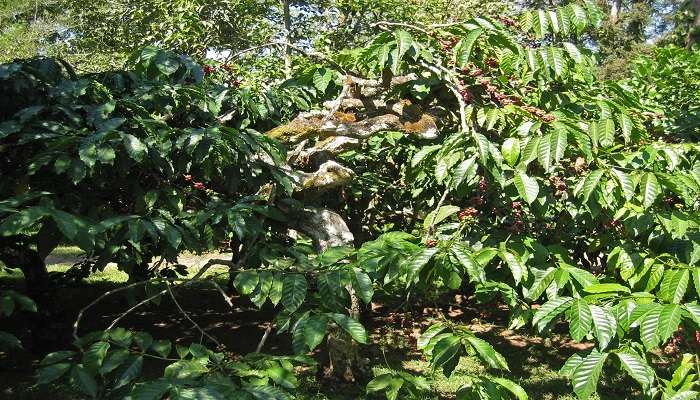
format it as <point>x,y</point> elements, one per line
<point>363,108</point>
<point>694,31</point>
<point>327,229</point>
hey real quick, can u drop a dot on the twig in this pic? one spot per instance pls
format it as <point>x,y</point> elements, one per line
<point>228,116</point>
<point>401,24</point>
<point>210,264</point>
<point>97,300</point>
<point>248,50</point>
<point>446,25</point>
<point>298,49</point>
<point>439,70</point>
<point>132,309</point>
<point>183,312</point>
<point>431,227</point>
<point>339,100</point>
<point>264,337</point>
<point>226,297</point>
<point>449,79</point>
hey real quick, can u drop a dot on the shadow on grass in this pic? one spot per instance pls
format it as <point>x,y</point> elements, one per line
<point>533,361</point>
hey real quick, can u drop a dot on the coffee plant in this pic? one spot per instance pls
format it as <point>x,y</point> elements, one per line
<point>483,157</point>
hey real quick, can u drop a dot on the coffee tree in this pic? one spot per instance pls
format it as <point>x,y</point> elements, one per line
<point>483,156</point>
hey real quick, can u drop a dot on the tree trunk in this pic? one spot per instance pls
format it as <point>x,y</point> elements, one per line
<point>694,30</point>
<point>287,39</point>
<point>18,254</point>
<point>328,229</point>
<point>615,11</point>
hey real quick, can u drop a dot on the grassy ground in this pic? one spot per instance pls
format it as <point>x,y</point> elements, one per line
<point>533,361</point>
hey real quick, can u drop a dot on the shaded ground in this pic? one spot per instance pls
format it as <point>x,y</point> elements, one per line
<point>533,361</point>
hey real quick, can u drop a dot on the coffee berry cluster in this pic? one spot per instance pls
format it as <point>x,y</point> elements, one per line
<point>468,214</point>
<point>539,113</point>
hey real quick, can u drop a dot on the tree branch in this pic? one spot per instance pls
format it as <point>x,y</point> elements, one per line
<point>184,313</point>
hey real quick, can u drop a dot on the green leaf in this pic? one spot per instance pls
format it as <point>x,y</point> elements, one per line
<point>544,153</point>
<point>464,172</point>
<point>625,183</point>
<point>542,280</point>
<point>114,360</point>
<point>16,223</point>
<point>185,369</point>
<point>293,292</point>
<point>446,354</point>
<point>669,319</point>
<point>510,149</point>
<point>404,41</point>
<point>246,282</point>
<point>625,125</point>
<point>577,16</point>
<point>694,311</point>
<point>419,260</point>
<point>517,268</point>
<point>57,356</point>
<point>541,24</point>
<point>549,310</point>
<point>153,390</point>
<point>606,132</point>
<point>567,370</point>
<point>52,372</point>
<point>266,393</point>
<point>282,377</point>
<point>685,395</point>
<point>581,319</point>
<point>422,153</point>
<point>379,383</point>
<point>351,326</point>
<point>637,367</point>
<point>556,56</point>
<point>590,183</point>
<point>84,381</point>
<point>559,142</point>
<point>332,255</point>
<point>604,325</point>
<point>573,52</point>
<point>554,21</point>
<point>315,330</point>
<point>131,372</point>
<point>471,266</point>
<point>94,356</point>
<point>439,215</point>
<point>428,335</point>
<point>606,288</point>
<point>674,285</point>
<point>487,353</point>
<point>648,328</point>
<point>483,145</point>
<point>134,147</point>
<point>512,387</point>
<point>650,189</point>
<point>276,290</point>
<point>463,48</point>
<point>528,189</point>
<point>162,347</point>
<point>322,78</point>
<point>363,286</point>
<point>587,374</point>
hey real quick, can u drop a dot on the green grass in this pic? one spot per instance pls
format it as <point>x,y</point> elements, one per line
<point>63,258</point>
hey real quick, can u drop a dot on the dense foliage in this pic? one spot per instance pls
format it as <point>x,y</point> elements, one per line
<point>573,201</point>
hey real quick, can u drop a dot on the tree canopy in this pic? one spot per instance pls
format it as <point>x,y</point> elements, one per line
<point>349,154</point>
